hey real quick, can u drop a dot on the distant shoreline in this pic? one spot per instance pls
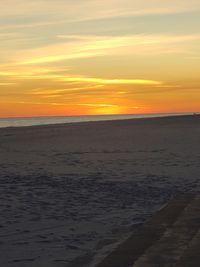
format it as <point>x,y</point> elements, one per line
<point>46,121</point>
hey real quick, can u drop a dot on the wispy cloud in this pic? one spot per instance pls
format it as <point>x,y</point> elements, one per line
<point>87,46</point>
<point>110,81</point>
<point>16,71</point>
<point>6,83</point>
<point>97,9</point>
<point>48,92</point>
<point>90,82</point>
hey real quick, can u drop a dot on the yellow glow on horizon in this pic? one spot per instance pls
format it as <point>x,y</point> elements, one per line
<point>97,105</point>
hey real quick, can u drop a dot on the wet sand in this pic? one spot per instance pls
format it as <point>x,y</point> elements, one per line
<point>70,193</point>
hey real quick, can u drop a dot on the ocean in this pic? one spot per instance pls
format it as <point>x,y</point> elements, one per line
<point>31,121</point>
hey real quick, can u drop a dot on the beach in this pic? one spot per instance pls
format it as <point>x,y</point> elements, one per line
<point>70,193</point>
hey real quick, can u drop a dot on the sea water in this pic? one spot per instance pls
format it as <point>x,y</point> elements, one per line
<point>31,121</point>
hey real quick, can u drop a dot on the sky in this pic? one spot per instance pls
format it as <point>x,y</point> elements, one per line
<point>85,57</point>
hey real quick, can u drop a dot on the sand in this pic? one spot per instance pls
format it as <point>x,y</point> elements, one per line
<point>70,193</point>
<point>171,238</point>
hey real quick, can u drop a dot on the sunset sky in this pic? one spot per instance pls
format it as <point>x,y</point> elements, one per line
<point>76,57</point>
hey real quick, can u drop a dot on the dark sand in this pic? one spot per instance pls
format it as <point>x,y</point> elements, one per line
<point>171,238</point>
<point>69,193</point>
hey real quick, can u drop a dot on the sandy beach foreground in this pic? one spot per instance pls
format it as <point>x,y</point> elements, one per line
<point>70,193</point>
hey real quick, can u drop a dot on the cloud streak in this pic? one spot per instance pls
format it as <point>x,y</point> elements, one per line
<point>97,9</point>
<point>87,47</point>
<point>111,81</point>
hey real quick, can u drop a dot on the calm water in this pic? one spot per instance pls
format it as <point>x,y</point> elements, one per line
<point>20,122</point>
